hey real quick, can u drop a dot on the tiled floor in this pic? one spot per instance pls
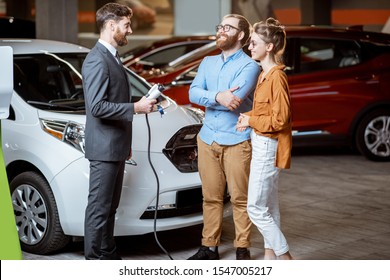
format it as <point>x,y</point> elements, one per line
<point>333,207</point>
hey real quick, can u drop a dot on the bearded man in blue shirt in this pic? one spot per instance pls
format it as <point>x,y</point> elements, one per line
<point>224,85</point>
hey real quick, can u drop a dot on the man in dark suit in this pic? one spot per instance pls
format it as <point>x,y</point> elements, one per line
<point>108,128</point>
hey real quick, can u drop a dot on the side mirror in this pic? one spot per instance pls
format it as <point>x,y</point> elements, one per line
<point>6,80</point>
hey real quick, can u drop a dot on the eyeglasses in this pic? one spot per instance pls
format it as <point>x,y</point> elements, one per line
<point>225,28</point>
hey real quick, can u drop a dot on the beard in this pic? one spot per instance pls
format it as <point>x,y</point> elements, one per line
<point>120,38</point>
<point>227,44</point>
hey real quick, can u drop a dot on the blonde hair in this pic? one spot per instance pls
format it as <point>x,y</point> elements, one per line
<point>272,31</point>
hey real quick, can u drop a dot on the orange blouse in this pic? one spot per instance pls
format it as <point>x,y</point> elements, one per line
<point>271,113</point>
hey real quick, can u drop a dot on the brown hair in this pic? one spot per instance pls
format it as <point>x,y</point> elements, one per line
<point>243,25</point>
<point>111,11</point>
<point>272,31</point>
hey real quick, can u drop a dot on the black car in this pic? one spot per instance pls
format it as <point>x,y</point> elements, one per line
<point>11,27</point>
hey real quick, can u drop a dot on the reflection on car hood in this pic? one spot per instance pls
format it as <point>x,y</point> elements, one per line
<point>162,127</point>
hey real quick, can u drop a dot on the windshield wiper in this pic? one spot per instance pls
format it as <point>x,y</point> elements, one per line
<point>54,105</point>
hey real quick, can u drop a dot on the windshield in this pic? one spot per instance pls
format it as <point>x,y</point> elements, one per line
<point>53,81</point>
<point>208,49</point>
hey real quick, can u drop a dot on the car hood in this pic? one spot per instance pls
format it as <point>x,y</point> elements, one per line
<point>162,126</point>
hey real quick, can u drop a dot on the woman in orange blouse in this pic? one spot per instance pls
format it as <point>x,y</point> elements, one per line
<point>270,120</point>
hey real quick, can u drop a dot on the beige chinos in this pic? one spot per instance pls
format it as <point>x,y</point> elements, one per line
<point>221,165</point>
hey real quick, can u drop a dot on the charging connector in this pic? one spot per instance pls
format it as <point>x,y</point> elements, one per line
<point>155,92</point>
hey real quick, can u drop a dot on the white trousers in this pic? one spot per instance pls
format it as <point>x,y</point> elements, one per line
<point>263,202</point>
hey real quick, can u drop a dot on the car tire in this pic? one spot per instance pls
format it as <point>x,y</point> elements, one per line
<point>36,214</point>
<point>373,135</point>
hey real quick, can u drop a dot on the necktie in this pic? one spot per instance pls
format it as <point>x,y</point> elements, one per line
<point>118,58</point>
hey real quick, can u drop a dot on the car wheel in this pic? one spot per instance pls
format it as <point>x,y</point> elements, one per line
<point>36,214</point>
<point>373,136</point>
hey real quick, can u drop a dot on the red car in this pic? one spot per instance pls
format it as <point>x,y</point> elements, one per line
<point>161,53</point>
<point>340,87</point>
<point>178,75</point>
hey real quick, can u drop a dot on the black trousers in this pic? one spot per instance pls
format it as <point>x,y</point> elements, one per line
<point>105,187</point>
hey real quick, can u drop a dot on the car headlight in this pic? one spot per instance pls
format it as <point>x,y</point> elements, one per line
<point>71,133</point>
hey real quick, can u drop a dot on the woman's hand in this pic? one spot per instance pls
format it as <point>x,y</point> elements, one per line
<point>242,123</point>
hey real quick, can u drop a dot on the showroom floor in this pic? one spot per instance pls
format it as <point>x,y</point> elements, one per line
<point>333,206</point>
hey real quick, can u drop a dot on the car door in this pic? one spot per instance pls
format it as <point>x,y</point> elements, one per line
<point>329,85</point>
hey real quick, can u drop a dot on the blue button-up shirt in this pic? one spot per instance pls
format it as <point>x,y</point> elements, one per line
<point>214,75</point>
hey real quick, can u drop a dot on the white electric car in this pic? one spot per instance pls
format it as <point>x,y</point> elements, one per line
<point>43,144</point>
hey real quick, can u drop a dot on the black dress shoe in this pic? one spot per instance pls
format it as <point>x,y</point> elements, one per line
<point>243,254</point>
<point>205,253</point>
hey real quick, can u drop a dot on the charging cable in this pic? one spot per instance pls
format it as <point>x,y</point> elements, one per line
<point>158,190</point>
<point>154,89</point>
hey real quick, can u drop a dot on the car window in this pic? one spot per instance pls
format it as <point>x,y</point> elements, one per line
<point>188,76</point>
<point>371,49</point>
<point>323,54</point>
<point>167,55</point>
<point>53,81</point>
<point>44,78</point>
<point>207,49</point>
<point>289,56</point>
<point>139,87</point>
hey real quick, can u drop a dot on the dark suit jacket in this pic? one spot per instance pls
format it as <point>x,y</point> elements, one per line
<point>107,92</point>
